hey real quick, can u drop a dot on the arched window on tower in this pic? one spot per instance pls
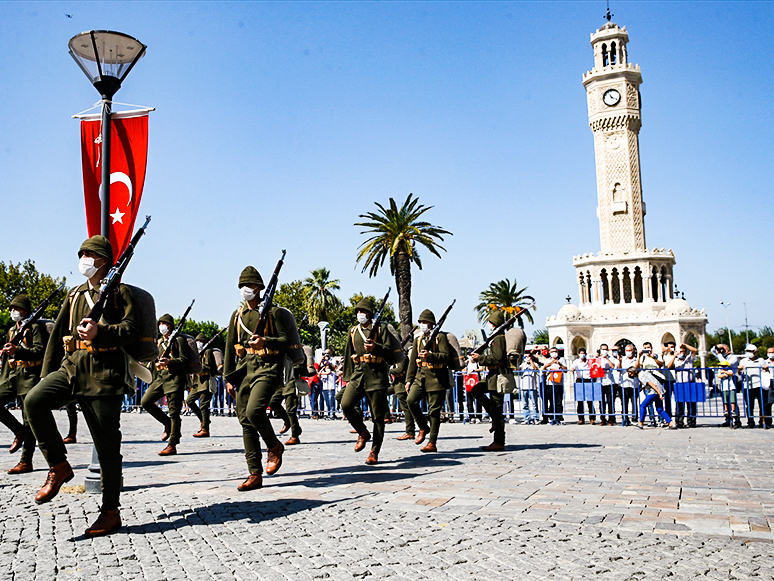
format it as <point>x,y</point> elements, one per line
<point>627,286</point>
<point>588,287</point>
<point>613,54</point>
<point>664,284</point>
<point>637,284</point>
<point>615,286</point>
<point>605,287</point>
<point>605,56</point>
<point>654,284</point>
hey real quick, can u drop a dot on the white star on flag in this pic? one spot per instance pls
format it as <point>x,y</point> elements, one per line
<point>118,217</point>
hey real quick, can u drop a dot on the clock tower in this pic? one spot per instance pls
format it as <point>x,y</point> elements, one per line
<point>613,96</point>
<point>626,292</point>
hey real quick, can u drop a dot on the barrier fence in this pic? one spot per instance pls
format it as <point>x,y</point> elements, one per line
<point>539,397</point>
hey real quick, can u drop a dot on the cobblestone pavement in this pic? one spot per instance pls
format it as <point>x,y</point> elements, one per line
<point>566,502</point>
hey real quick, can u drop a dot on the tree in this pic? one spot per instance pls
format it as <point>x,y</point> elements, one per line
<point>395,234</point>
<point>291,296</point>
<point>540,336</point>
<point>503,296</point>
<point>17,279</point>
<point>318,294</point>
<point>209,328</point>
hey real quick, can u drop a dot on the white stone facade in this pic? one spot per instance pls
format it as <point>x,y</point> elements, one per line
<point>626,290</point>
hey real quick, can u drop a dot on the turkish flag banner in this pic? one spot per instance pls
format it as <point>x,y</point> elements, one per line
<point>128,158</point>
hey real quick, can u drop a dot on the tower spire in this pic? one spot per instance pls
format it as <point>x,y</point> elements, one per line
<point>607,14</point>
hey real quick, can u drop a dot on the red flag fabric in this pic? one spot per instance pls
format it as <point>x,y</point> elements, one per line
<point>128,158</point>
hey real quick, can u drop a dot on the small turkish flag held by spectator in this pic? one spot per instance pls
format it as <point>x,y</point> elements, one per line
<point>128,158</point>
<point>471,379</point>
<point>595,368</point>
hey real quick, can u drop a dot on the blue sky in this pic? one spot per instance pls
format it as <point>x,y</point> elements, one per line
<point>277,123</point>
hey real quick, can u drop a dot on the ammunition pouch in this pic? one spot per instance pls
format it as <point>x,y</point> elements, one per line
<point>71,345</point>
<point>239,350</point>
<point>14,363</point>
<point>367,358</point>
<point>421,363</point>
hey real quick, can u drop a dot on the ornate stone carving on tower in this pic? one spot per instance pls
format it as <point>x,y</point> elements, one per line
<point>626,291</point>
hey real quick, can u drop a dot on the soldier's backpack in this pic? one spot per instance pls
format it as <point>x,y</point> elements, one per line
<point>218,355</point>
<point>308,364</point>
<point>398,354</point>
<point>145,349</point>
<point>515,342</point>
<point>194,361</point>
<point>296,350</point>
<point>456,360</point>
<point>46,327</point>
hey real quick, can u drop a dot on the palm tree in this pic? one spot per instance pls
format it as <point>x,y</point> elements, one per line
<point>395,234</point>
<point>318,294</point>
<point>502,295</point>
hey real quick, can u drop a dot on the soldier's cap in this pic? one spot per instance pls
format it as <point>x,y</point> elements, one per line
<point>100,246</point>
<point>22,302</point>
<point>365,304</point>
<point>201,337</point>
<point>427,316</point>
<point>497,318</point>
<point>167,318</point>
<point>250,276</point>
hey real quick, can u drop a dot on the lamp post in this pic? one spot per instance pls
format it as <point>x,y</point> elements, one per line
<point>323,334</point>
<point>728,328</point>
<point>106,57</point>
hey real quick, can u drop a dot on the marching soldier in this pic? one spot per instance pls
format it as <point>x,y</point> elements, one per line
<point>289,414</point>
<point>428,375</point>
<point>201,390</point>
<point>253,368</point>
<point>84,361</point>
<point>398,388</point>
<point>20,373</point>
<point>367,374</point>
<point>170,378</point>
<point>72,419</point>
<point>496,361</point>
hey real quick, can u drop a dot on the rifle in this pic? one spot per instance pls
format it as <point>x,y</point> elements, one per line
<point>378,317</point>
<point>211,341</point>
<point>176,332</point>
<point>409,336</point>
<point>437,328</point>
<point>501,329</point>
<point>111,281</point>
<point>37,314</point>
<point>268,298</point>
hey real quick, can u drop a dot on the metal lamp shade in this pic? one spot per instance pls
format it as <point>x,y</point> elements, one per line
<point>106,57</point>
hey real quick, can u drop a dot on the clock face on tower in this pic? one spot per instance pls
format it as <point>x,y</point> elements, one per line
<point>611,97</point>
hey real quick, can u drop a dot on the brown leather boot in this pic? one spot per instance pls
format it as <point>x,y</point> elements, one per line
<point>170,450</point>
<point>274,458</point>
<point>253,481</point>
<point>293,441</point>
<point>285,428</point>
<point>420,437</point>
<point>57,475</point>
<point>373,458</point>
<point>202,433</point>
<point>21,468</point>
<point>18,440</point>
<point>493,447</point>
<point>70,439</point>
<point>429,447</point>
<point>107,522</point>
<point>362,438</point>
<point>405,436</point>
<point>167,430</point>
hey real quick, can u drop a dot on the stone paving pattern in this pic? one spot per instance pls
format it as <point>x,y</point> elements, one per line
<point>566,502</point>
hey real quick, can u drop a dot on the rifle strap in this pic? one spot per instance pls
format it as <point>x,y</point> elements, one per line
<point>87,295</point>
<point>269,324</point>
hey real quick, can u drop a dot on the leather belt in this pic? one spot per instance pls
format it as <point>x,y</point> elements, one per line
<point>367,358</point>
<point>13,364</point>
<point>71,344</point>
<point>261,352</point>
<point>421,363</point>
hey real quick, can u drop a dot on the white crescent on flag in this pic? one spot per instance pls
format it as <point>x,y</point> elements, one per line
<point>121,177</point>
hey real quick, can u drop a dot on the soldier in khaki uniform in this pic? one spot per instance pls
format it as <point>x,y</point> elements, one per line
<point>20,373</point>
<point>201,391</point>
<point>428,375</point>
<point>496,361</point>
<point>85,362</point>
<point>367,373</point>
<point>398,388</point>
<point>170,378</point>
<point>253,368</point>
<point>289,414</point>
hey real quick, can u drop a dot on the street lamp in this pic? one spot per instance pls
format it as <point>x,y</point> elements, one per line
<point>106,57</point>
<point>323,334</point>
<point>728,328</point>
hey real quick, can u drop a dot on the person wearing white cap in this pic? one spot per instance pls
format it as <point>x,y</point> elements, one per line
<point>751,367</point>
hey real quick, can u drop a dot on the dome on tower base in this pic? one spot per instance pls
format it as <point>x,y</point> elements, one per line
<point>677,307</point>
<point>568,312</point>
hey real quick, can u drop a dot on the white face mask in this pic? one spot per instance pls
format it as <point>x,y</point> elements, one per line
<point>583,357</point>
<point>751,354</point>
<point>490,327</point>
<point>424,327</point>
<point>86,266</point>
<point>630,354</point>
<point>164,329</point>
<point>199,345</point>
<point>247,293</point>
<point>771,355</point>
<point>362,318</point>
<point>603,353</point>
<point>16,316</point>
<point>554,355</point>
